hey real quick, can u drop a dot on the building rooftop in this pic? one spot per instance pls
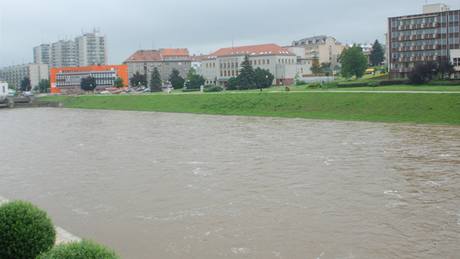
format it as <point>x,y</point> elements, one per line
<point>253,50</point>
<point>313,40</point>
<point>158,55</point>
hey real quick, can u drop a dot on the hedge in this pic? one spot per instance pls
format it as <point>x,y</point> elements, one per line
<point>25,231</point>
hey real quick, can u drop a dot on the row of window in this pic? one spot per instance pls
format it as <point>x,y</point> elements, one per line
<point>425,42</point>
<point>256,62</point>
<point>229,73</point>
<point>418,53</point>
<point>425,20</point>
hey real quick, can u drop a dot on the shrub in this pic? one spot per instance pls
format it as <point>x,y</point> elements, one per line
<point>314,85</point>
<point>232,83</point>
<point>79,250</point>
<point>25,231</point>
<point>213,88</point>
<point>300,82</point>
<point>186,90</point>
<point>449,83</point>
<point>357,84</point>
<point>392,82</point>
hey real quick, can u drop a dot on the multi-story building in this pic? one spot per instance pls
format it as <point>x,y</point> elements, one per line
<point>42,54</point>
<point>324,49</point>
<point>91,49</point>
<point>64,54</point>
<point>225,63</point>
<point>68,79</point>
<point>165,60</point>
<point>13,75</point>
<point>433,35</point>
<point>86,50</point>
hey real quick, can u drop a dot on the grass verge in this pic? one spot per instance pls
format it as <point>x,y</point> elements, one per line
<point>411,108</point>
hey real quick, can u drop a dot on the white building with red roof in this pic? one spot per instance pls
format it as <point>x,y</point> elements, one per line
<point>144,61</point>
<point>220,66</point>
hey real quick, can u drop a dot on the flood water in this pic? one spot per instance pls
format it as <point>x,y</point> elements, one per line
<point>158,185</point>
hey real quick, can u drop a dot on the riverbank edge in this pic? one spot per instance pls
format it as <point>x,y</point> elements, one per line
<point>418,108</point>
<point>62,236</point>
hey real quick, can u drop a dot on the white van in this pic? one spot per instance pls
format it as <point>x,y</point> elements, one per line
<point>4,93</point>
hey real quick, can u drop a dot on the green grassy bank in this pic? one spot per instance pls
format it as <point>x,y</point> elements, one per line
<point>412,108</point>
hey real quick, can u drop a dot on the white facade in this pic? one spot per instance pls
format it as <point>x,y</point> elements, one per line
<point>435,8</point>
<point>325,49</point>
<point>455,58</point>
<point>91,49</point>
<point>13,75</point>
<point>42,54</point>
<point>64,54</point>
<point>3,90</point>
<point>86,50</point>
<point>218,70</point>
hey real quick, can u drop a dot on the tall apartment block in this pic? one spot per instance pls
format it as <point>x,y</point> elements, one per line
<point>91,49</point>
<point>86,50</point>
<point>433,35</point>
<point>42,54</point>
<point>64,54</point>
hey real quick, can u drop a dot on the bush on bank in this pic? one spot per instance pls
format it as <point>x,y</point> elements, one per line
<point>213,88</point>
<point>25,231</point>
<point>79,250</point>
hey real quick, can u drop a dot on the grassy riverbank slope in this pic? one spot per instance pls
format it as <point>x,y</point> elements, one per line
<point>395,107</point>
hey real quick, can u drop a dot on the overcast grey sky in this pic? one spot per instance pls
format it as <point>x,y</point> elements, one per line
<point>200,25</point>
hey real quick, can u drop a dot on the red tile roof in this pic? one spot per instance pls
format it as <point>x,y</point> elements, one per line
<point>255,50</point>
<point>174,52</point>
<point>158,55</point>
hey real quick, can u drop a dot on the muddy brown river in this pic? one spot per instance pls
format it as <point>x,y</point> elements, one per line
<point>158,185</point>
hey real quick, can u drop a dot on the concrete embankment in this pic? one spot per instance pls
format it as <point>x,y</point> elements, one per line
<point>62,236</point>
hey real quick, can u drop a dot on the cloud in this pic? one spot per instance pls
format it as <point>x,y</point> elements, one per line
<point>201,25</point>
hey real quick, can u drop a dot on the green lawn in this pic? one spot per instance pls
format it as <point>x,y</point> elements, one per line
<point>399,107</point>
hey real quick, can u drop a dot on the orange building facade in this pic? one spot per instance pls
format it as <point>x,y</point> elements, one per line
<point>68,79</point>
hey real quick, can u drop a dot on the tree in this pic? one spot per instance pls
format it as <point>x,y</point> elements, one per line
<point>118,83</point>
<point>232,83</point>
<point>315,67</point>
<point>176,80</point>
<point>353,62</point>
<point>423,73</point>
<point>263,77</point>
<point>195,82</point>
<point>247,76</point>
<point>44,86</point>
<point>326,69</point>
<point>25,84</point>
<point>445,69</point>
<point>88,83</point>
<point>138,80</point>
<point>155,81</point>
<point>377,54</point>
<point>191,73</point>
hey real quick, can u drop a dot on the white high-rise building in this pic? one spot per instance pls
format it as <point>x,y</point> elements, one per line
<point>86,50</point>
<point>91,49</point>
<point>42,54</point>
<point>64,54</point>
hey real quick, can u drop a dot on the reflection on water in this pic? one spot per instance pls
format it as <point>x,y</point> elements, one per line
<point>156,185</point>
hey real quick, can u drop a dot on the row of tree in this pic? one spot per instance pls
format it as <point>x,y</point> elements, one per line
<point>192,81</point>
<point>425,72</point>
<point>250,78</point>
